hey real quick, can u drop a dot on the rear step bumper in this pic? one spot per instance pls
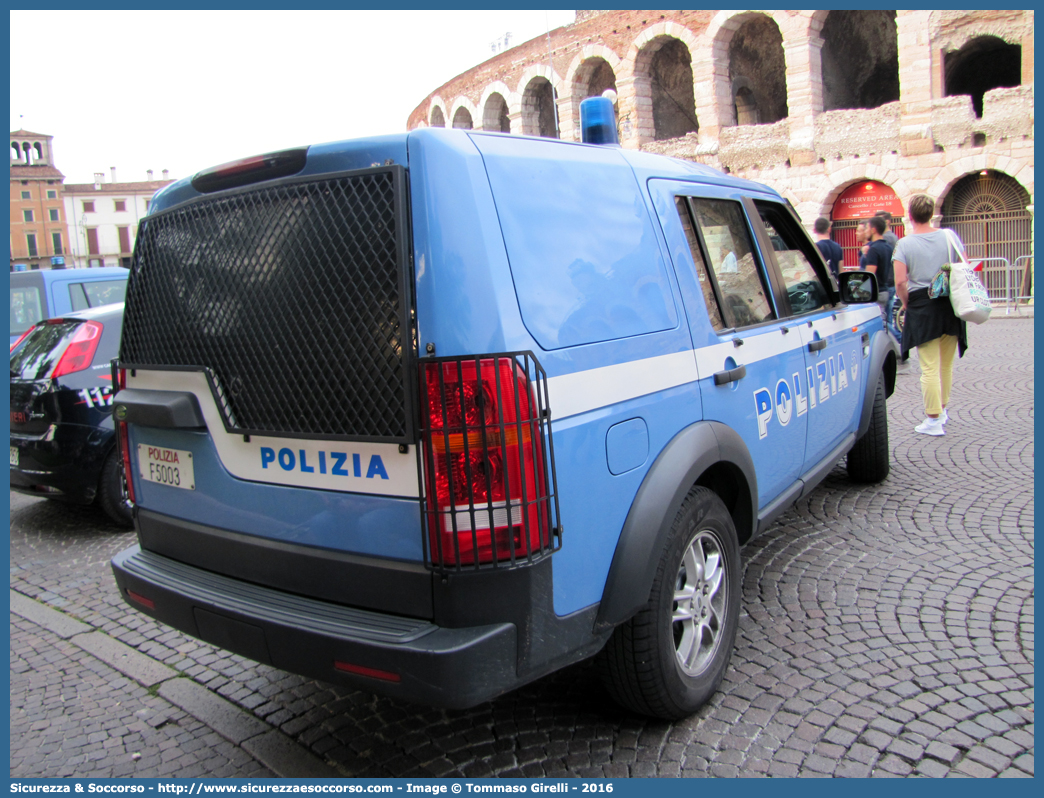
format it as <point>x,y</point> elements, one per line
<point>453,668</point>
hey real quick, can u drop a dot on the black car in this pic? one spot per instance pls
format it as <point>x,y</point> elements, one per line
<point>63,443</point>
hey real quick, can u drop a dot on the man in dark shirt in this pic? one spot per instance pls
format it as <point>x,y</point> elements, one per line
<point>879,256</point>
<point>830,250</point>
<point>879,260</point>
<point>889,235</point>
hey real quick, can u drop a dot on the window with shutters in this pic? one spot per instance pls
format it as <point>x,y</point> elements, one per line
<point>92,241</point>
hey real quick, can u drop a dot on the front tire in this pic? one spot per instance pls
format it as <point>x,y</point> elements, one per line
<point>110,491</point>
<point>670,658</point>
<point>868,460</point>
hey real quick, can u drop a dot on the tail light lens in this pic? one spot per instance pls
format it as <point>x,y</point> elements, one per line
<point>487,489</point>
<point>124,437</point>
<point>79,353</point>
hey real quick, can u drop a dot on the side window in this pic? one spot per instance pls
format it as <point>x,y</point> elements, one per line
<point>105,292</point>
<point>802,282</point>
<point>725,252</point>
<point>706,286</point>
<point>26,308</point>
<point>78,297</point>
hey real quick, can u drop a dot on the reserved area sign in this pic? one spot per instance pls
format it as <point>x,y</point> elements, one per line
<point>862,200</point>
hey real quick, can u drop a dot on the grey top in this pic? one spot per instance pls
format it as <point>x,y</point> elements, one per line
<point>924,255</point>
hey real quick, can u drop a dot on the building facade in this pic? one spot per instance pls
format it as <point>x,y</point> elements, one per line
<point>843,112</point>
<point>103,218</point>
<point>39,232</point>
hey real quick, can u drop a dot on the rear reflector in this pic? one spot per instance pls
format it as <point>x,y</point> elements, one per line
<point>140,599</point>
<point>373,673</point>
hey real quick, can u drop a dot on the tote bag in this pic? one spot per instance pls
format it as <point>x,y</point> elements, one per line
<point>968,295</point>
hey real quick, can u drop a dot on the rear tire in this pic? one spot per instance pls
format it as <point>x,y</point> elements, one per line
<point>868,460</point>
<point>670,658</point>
<point>110,491</point>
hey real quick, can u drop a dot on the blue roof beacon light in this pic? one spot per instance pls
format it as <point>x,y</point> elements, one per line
<point>598,122</point>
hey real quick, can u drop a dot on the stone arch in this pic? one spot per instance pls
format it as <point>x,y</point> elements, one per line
<point>636,86</point>
<point>983,63</point>
<point>992,215</point>
<point>714,47</point>
<point>538,101</point>
<point>952,30</point>
<point>495,105</point>
<point>592,72</point>
<point>756,55</point>
<point>437,113</point>
<point>464,114</point>
<point>664,83</point>
<point>949,175</point>
<point>870,80</point>
<point>850,175</point>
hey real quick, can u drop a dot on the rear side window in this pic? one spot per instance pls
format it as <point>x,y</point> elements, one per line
<point>580,242</point>
<point>26,308</point>
<point>41,350</point>
<point>731,281</point>
<point>100,292</point>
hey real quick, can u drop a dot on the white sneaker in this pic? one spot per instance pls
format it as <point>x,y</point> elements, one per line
<point>945,416</point>
<point>931,426</point>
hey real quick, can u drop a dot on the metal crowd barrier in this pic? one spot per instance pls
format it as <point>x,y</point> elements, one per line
<point>1006,283</point>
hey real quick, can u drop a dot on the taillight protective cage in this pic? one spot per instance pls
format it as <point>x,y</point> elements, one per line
<point>479,439</point>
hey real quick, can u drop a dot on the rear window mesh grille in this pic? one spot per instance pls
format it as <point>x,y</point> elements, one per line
<point>292,297</point>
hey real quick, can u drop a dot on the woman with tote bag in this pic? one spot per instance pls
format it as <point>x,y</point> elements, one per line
<point>931,325</point>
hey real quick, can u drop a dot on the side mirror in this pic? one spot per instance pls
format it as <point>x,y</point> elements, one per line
<point>857,287</point>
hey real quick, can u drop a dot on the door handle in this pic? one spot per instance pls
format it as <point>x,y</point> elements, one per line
<point>815,346</point>
<point>730,375</point>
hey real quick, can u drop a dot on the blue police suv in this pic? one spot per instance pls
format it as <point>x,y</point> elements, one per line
<point>436,414</point>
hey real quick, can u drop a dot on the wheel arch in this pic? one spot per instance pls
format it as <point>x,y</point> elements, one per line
<point>706,453</point>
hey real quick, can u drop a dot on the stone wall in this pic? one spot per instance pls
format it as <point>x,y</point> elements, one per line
<point>924,142</point>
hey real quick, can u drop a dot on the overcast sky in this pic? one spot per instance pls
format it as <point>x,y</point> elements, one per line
<point>183,90</point>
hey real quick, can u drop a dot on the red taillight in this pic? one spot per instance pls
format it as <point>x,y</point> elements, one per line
<point>486,486</point>
<point>80,351</point>
<point>124,438</point>
<point>21,338</point>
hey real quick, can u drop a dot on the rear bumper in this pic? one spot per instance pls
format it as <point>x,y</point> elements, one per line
<point>418,660</point>
<point>64,463</point>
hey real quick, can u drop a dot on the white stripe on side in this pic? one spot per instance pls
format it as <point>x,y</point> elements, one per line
<point>584,391</point>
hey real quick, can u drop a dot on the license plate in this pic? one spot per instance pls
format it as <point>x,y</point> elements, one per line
<point>14,456</point>
<point>164,466</point>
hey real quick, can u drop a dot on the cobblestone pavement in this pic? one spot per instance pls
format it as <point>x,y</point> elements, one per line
<point>886,631</point>
<point>72,715</point>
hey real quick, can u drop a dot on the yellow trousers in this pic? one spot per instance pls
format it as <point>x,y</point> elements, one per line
<point>936,358</point>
